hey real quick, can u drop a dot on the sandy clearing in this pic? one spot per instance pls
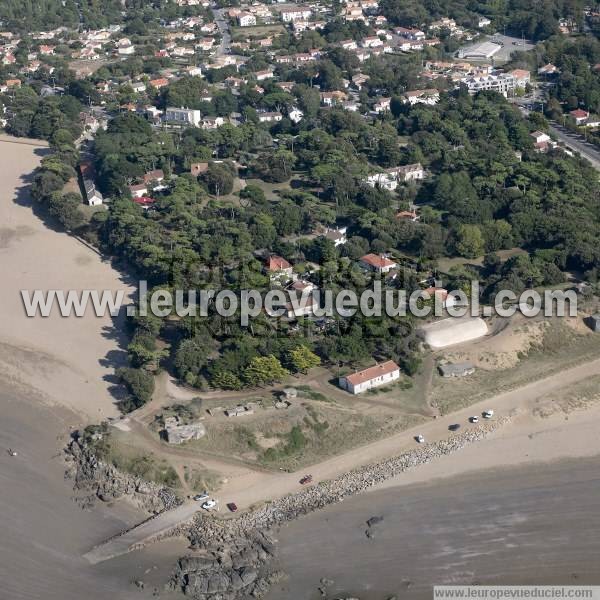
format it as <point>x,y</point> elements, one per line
<point>70,360</point>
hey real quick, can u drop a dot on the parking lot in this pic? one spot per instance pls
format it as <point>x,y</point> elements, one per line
<point>509,45</point>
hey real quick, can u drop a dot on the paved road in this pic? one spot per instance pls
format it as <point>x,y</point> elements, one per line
<point>576,143</point>
<point>269,486</point>
<point>531,525</point>
<point>223,25</point>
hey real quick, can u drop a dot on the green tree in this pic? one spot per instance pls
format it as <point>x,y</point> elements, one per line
<point>264,370</point>
<point>139,384</point>
<point>226,380</point>
<point>302,359</point>
<point>469,241</point>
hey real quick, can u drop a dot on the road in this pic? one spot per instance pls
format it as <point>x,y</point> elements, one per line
<point>577,143</point>
<point>259,487</point>
<point>573,141</point>
<point>527,525</point>
<point>223,25</point>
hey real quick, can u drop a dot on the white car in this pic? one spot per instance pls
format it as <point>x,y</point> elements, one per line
<point>420,439</point>
<point>209,504</point>
<point>488,414</point>
<point>474,419</point>
<point>202,496</point>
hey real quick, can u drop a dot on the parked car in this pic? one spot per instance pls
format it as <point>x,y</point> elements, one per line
<point>420,439</point>
<point>232,506</point>
<point>306,479</point>
<point>201,497</point>
<point>488,414</point>
<point>209,505</point>
<point>454,427</point>
<point>474,419</point>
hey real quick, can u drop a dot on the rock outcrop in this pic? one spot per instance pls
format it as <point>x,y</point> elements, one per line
<point>105,482</point>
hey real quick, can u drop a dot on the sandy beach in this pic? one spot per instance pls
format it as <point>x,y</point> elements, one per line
<point>70,361</point>
<point>54,374</point>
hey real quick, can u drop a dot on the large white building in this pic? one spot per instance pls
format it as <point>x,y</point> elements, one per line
<point>390,178</point>
<point>504,83</point>
<point>376,376</point>
<point>480,51</point>
<point>183,117</point>
<point>299,13</point>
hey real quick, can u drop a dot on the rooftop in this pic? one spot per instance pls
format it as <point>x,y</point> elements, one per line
<point>372,372</point>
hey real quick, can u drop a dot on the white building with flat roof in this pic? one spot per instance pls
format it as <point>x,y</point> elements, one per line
<point>183,116</point>
<point>504,83</point>
<point>480,51</point>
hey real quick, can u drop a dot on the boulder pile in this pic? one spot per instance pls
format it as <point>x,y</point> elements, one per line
<point>103,481</point>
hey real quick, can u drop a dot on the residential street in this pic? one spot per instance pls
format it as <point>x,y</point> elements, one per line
<point>576,143</point>
<point>223,25</point>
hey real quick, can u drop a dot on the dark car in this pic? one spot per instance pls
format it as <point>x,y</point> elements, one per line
<point>232,506</point>
<point>306,479</point>
<point>454,427</point>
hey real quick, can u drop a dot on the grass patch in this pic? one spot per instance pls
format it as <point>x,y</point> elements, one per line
<point>112,450</point>
<point>307,392</point>
<point>201,479</point>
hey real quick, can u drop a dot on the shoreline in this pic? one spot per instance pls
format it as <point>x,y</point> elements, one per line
<point>74,379</point>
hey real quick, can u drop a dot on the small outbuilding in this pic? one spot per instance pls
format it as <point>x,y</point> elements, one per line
<point>177,433</point>
<point>457,369</point>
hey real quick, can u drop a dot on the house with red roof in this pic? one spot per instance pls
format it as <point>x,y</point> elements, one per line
<point>361,381</point>
<point>277,267</point>
<point>579,115</point>
<point>378,263</point>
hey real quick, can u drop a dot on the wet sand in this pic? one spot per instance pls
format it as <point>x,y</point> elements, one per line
<point>524,525</point>
<point>44,533</point>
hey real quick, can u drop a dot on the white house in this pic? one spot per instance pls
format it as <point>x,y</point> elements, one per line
<point>246,19</point>
<point>390,178</point>
<point>522,77</point>
<point>139,190</point>
<point>183,116</point>
<point>542,141</point>
<point>372,377</point>
<point>269,117</point>
<point>371,42</point>
<point>262,75</point>
<point>93,196</point>
<point>277,267</point>
<point>429,96</point>
<point>382,105</point>
<point>299,13</point>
